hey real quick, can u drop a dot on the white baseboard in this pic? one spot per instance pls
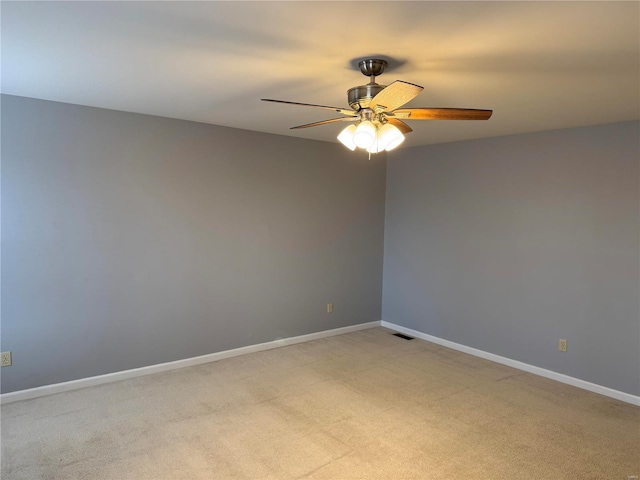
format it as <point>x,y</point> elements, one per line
<point>189,362</point>
<point>164,367</point>
<point>576,382</point>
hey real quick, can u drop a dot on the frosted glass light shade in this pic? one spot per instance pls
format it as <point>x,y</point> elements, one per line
<point>390,137</point>
<point>365,134</point>
<point>346,137</point>
<point>377,146</point>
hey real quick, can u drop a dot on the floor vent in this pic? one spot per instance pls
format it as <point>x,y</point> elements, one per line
<point>406,337</point>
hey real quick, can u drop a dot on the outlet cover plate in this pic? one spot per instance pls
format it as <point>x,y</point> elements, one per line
<point>6,359</point>
<point>562,345</point>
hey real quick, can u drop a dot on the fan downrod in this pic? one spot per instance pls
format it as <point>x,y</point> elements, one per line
<point>359,97</point>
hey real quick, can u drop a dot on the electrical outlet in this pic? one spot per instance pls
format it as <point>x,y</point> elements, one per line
<point>562,345</point>
<point>6,359</point>
<point>329,307</point>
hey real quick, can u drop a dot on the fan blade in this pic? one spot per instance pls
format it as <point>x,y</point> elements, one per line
<point>399,124</point>
<point>442,114</point>
<point>324,122</point>
<point>344,111</point>
<point>394,96</point>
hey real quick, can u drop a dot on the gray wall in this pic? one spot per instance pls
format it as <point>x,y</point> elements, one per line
<point>131,240</point>
<point>508,244</point>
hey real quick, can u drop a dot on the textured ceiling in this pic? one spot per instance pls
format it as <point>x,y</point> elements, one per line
<point>538,65</point>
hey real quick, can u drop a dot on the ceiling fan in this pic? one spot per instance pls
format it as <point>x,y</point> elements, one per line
<point>375,109</point>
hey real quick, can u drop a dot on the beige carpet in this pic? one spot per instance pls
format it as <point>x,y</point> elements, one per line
<point>363,405</point>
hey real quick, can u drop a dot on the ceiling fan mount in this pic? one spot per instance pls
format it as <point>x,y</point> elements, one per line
<point>372,66</point>
<point>359,97</point>
<point>376,110</point>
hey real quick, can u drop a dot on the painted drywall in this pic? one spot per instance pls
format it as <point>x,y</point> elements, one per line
<point>509,244</point>
<point>131,240</point>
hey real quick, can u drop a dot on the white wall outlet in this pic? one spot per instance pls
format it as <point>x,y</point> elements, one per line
<point>562,345</point>
<point>329,307</point>
<point>6,359</point>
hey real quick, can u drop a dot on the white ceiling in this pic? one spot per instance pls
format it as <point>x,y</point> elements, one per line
<point>538,65</point>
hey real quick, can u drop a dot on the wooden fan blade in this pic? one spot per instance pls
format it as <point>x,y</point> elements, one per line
<point>442,114</point>
<point>324,122</point>
<point>399,124</point>
<point>344,111</point>
<point>394,96</point>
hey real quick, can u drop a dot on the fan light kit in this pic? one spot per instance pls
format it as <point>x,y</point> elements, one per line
<point>375,109</point>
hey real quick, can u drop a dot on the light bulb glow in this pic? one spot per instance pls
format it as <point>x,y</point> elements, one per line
<point>365,134</point>
<point>390,137</point>
<point>377,146</point>
<point>346,137</point>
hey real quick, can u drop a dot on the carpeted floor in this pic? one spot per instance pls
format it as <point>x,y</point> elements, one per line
<point>362,405</point>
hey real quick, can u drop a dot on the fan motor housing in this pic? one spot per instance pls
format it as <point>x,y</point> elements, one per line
<point>360,96</point>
